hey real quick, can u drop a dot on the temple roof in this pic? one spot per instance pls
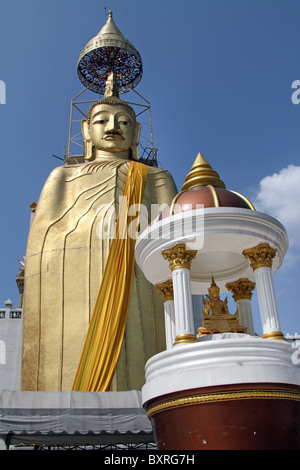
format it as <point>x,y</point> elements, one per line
<point>204,188</point>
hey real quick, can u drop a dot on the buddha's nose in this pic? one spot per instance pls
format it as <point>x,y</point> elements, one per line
<point>113,126</point>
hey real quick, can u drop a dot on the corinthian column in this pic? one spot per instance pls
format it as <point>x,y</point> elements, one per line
<point>242,293</point>
<point>261,260</point>
<point>180,261</point>
<point>166,290</point>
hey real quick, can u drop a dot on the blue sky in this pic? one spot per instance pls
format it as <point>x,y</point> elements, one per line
<point>218,74</point>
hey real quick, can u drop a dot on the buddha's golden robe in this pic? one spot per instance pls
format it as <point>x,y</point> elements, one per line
<point>65,260</point>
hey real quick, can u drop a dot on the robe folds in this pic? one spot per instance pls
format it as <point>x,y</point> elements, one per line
<point>67,248</point>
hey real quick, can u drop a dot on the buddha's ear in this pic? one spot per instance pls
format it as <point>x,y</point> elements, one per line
<point>137,133</point>
<point>87,142</point>
<point>85,129</point>
<point>135,141</point>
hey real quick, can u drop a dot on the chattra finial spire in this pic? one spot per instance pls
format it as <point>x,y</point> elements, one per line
<point>109,52</point>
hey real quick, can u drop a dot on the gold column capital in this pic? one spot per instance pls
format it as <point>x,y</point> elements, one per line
<point>261,256</point>
<point>179,256</point>
<point>241,289</point>
<point>166,290</point>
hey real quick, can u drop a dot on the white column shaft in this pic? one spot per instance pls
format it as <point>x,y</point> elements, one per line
<point>245,315</point>
<point>267,300</point>
<point>169,323</point>
<point>184,321</point>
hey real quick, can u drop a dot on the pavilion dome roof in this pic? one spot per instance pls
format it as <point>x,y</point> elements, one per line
<point>204,187</point>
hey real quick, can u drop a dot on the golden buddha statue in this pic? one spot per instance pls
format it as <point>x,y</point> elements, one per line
<point>67,252</point>
<point>216,317</point>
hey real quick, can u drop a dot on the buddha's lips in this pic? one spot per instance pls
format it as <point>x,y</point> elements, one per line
<point>114,137</point>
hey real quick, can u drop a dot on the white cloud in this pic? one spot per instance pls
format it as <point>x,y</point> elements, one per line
<point>279,196</point>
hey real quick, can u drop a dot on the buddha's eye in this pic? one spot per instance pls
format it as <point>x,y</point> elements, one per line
<point>100,121</point>
<point>125,122</point>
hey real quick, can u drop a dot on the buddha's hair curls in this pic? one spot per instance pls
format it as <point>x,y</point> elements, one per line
<point>112,100</point>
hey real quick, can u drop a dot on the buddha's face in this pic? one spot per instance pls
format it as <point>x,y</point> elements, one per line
<point>214,292</point>
<point>112,128</point>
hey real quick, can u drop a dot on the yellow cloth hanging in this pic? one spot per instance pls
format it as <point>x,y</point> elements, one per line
<point>106,329</point>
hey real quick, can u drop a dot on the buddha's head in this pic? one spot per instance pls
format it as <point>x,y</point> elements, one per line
<point>214,290</point>
<point>110,127</point>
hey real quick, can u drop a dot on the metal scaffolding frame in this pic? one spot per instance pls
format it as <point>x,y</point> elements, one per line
<point>148,152</point>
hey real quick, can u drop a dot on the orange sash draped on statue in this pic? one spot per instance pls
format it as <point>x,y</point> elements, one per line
<point>106,329</point>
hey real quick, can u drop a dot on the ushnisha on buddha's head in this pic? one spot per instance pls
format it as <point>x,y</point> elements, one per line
<point>111,129</point>
<point>214,290</point>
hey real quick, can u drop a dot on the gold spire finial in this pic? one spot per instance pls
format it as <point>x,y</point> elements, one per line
<point>202,174</point>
